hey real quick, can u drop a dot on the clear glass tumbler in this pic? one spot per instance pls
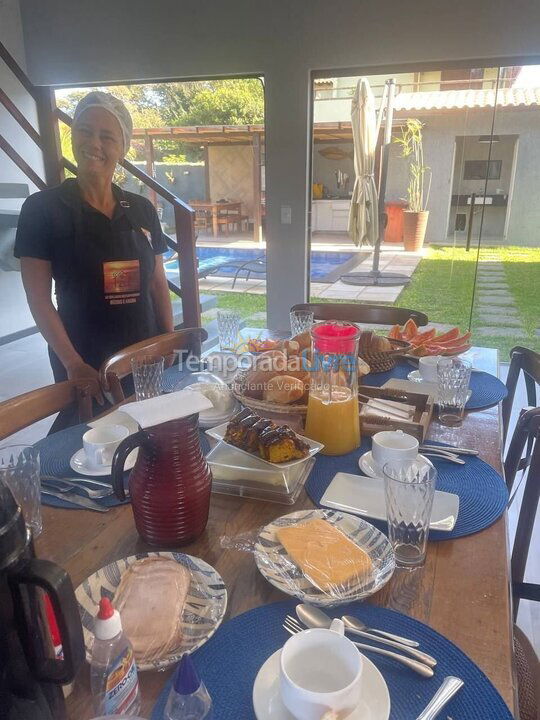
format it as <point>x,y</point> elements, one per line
<point>147,376</point>
<point>409,493</point>
<point>228,329</point>
<point>301,321</point>
<point>20,471</point>
<point>454,376</point>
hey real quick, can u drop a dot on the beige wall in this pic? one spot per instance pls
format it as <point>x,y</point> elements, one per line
<point>231,174</point>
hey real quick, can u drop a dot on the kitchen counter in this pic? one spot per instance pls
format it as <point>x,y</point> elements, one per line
<point>330,215</point>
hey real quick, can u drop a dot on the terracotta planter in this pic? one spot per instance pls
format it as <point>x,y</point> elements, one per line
<point>414,229</point>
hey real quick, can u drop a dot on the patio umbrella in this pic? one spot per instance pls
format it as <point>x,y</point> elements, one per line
<point>363,213</point>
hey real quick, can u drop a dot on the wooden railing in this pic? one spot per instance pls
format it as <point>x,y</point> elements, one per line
<point>48,140</point>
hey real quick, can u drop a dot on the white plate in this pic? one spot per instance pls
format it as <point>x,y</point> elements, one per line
<point>218,433</point>
<point>362,495</point>
<point>368,465</point>
<point>205,606</point>
<point>275,565</point>
<point>78,463</point>
<point>374,705</point>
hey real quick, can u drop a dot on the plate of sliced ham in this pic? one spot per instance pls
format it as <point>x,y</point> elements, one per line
<point>429,341</point>
<point>170,603</point>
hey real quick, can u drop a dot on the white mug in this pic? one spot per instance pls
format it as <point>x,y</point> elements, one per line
<point>100,444</point>
<point>427,367</point>
<point>320,670</point>
<point>394,447</point>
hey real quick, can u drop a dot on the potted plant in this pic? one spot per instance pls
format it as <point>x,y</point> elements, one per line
<point>415,218</point>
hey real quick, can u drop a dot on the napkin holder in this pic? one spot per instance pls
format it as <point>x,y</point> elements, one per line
<point>417,425</point>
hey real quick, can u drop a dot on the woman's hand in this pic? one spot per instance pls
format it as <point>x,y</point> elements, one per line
<point>89,375</point>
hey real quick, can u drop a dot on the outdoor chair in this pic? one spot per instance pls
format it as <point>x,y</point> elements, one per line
<point>521,360</point>
<point>369,314</point>
<point>179,343</point>
<point>22,411</point>
<point>526,434</point>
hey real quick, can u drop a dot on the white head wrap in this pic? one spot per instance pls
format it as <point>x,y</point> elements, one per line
<point>113,105</point>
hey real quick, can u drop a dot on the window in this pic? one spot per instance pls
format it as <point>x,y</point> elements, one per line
<point>478,170</point>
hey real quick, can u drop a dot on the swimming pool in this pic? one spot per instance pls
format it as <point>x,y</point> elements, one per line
<point>325,266</point>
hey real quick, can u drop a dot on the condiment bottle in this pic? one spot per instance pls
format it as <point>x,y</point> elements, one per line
<point>113,672</point>
<point>333,414</point>
<point>189,698</point>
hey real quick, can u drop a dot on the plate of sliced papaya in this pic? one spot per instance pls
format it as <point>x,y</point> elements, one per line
<point>429,341</point>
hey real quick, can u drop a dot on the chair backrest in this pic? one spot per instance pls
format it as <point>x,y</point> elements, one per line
<point>170,345</point>
<point>23,410</point>
<point>372,314</point>
<point>527,433</point>
<point>521,360</point>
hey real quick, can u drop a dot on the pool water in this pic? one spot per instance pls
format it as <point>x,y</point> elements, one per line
<point>323,264</point>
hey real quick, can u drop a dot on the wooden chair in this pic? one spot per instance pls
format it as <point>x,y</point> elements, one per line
<point>170,345</point>
<point>521,360</point>
<point>370,314</point>
<point>526,434</point>
<point>24,410</point>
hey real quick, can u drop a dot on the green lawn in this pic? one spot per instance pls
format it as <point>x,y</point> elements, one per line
<point>443,284</point>
<point>443,287</point>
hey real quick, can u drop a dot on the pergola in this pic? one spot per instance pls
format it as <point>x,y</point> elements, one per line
<point>206,135</point>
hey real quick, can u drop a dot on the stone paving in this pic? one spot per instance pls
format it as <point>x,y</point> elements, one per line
<point>497,312</point>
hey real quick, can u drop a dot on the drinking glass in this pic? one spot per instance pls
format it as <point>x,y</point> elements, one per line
<point>147,376</point>
<point>454,375</point>
<point>19,470</point>
<point>301,321</point>
<point>409,493</point>
<point>228,329</point>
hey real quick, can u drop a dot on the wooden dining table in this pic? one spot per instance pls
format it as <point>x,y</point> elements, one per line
<point>462,591</point>
<point>234,209</point>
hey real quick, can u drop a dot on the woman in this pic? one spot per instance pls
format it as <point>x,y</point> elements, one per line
<point>101,246</point>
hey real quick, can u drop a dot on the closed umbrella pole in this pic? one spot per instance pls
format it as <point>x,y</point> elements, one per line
<point>367,221</point>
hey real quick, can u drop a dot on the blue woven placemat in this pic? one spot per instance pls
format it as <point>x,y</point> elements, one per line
<point>483,495</point>
<point>172,376</point>
<point>487,390</point>
<point>55,452</point>
<point>231,659</point>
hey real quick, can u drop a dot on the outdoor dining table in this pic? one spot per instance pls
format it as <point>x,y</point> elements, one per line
<point>215,208</point>
<point>462,591</point>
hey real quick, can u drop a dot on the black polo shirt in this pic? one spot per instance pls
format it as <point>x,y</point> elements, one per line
<point>102,268</point>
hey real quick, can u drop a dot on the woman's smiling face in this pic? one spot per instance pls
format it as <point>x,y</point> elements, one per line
<point>97,142</point>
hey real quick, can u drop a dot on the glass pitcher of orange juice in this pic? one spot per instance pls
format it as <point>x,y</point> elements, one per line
<point>333,412</point>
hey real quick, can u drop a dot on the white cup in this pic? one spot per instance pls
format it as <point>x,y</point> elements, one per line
<point>100,444</point>
<point>427,367</point>
<point>394,447</point>
<point>320,670</point>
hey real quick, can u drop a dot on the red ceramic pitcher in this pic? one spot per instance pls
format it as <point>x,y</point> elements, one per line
<point>170,484</point>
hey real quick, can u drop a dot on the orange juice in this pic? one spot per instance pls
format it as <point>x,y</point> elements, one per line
<point>335,422</point>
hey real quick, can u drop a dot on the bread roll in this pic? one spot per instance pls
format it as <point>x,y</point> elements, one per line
<point>291,347</point>
<point>283,389</point>
<point>274,360</point>
<point>303,340</point>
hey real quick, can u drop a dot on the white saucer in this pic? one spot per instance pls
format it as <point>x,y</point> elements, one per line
<point>368,465</point>
<point>78,463</point>
<point>375,703</point>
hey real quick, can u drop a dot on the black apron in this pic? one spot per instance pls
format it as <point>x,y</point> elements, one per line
<point>103,290</point>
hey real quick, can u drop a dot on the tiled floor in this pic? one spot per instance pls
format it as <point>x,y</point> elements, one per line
<point>24,366</point>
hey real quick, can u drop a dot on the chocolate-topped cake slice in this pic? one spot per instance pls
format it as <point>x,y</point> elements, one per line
<point>281,444</point>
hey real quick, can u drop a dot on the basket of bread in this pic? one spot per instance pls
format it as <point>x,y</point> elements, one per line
<point>380,352</point>
<point>278,380</point>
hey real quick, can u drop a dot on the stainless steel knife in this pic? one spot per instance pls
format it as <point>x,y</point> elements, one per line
<point>75,499</point>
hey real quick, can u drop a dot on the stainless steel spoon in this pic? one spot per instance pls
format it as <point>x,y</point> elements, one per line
<point>423,663</point>
<point>443,695</point>
<point>352,624</point>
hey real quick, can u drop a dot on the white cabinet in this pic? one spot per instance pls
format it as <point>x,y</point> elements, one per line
<point>330,215</point>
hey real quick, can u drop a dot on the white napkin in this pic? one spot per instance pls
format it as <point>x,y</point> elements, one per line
<point>163,408</point>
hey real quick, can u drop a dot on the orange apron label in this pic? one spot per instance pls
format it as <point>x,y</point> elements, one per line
<point>121,281</point>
